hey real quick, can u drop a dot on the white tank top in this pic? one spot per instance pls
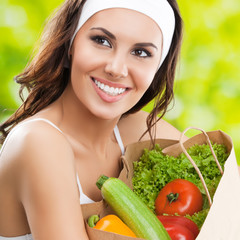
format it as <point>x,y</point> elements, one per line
<point>84,199</point>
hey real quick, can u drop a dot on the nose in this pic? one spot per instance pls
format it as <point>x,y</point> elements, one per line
<point>116,67</point>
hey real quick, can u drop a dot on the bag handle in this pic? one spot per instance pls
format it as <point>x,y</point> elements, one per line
<point>194,164</point>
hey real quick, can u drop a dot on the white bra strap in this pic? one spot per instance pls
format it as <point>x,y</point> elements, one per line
<point>119,139</point>
<point>79,185</point>
<point>83,198</point>
<point>45,120</point>
<point>25,237</point>
<point>20,124</point>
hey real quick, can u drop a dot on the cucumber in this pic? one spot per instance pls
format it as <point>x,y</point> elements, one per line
<point>130,208</point>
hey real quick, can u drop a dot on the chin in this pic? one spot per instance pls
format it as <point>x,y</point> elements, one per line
<point>103,114</point>
<point>107,114</point>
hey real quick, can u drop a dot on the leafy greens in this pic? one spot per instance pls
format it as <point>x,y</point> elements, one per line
<point>154,170</point>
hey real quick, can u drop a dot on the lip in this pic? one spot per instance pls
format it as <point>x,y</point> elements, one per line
<point>109,83</point>
<point>106,97</point>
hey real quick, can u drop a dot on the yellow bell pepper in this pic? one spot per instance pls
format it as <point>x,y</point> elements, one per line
<point>110,223</point>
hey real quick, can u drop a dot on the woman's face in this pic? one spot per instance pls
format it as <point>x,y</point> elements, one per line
<point>115,56</point>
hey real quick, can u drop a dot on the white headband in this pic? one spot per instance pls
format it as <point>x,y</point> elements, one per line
<point>159,10</point>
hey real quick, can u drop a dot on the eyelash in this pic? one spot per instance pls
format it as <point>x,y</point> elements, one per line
<point>148,54</point>
<point>99,39</point>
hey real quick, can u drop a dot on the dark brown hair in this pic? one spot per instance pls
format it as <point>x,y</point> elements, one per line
<point>46,77</point>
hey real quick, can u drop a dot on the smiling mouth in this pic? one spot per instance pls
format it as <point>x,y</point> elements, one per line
<point>109,90</point>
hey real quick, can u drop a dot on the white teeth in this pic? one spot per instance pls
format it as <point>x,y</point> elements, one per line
<point>101,85</point>
<point>109,90</point>
<point>116,91</point>
<point>106,88</point>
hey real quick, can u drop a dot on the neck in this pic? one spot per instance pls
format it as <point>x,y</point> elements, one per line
<point>83,126</point>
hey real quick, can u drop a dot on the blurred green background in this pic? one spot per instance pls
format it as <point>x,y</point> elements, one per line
<point>207,90</point>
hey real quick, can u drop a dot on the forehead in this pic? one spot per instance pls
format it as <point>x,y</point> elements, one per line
<point>121,19</point>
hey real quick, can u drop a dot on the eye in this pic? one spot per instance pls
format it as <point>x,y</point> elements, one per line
<point>142,53</point>
<point>101,40</point>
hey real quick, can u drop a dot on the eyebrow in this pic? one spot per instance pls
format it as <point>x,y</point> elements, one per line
<point>147,44</point>
<point>105,31</point>
<point>109,34</point>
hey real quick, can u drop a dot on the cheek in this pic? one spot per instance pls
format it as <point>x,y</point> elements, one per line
<point>144,78</point>
<point>83,60</point>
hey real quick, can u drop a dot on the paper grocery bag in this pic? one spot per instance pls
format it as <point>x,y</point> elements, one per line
<point>223,220</point>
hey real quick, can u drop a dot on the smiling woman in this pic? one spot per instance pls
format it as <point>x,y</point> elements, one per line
<point>120,58</point>
<point>92,75</point>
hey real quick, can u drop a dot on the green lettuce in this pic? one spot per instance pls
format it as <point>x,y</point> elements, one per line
<point>155,169</point>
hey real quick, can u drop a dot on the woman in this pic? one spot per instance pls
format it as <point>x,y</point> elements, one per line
<point>99,63</point>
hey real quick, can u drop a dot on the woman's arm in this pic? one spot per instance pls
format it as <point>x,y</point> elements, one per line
<point>47,186</point>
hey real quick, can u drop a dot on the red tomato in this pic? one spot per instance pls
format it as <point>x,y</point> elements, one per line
<point>179,196</point>
<point>192,226</point>
<point>178,232</point>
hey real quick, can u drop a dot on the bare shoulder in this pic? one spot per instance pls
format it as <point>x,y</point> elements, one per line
<point>42,162</point>
<point>134,125</point>
<point>35,147</point>
<point>35,138</point>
